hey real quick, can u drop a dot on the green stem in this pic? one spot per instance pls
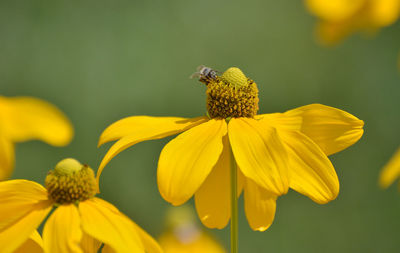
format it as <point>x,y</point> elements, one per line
<point>234,206</point>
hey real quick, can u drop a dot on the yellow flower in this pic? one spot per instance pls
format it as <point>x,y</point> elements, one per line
<point>391,171</point>
<point>340,18</point>
<point>183,235</point>
<point>80,221</point>
<point>27,118</point>
<point>273,151</point>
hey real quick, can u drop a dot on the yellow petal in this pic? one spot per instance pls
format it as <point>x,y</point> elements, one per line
<point>19,197</point>
<point>7,158</point>
<point>311,173</point>
<point>334,10</point>
<point>330,128</point>
<point>89,244</point>
<point>259,206</point>
<point>62,232</point>
<point>133,130</point>
<point>14,235</point>
<point>330,34</point>
<point>259,154</point>
<point>186,161</point>
<point>34,244</point>
<point>384,12</point>
<point>109,227</point>
<point>391,171</point>
<point>213,197</point>
<point>27,118</point>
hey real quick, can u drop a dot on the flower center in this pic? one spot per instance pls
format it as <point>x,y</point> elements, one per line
<point>232,95</point>
<point>70,182</point>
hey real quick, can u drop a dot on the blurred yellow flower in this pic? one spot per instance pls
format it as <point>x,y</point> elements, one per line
<point>273,151</point>
<point>183,235</point>
<point>27,118</point>
<point>80,222</point>
<point>391,171</point>
<point>340,18</point>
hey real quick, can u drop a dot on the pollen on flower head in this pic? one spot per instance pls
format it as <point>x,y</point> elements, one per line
<point>70,181</point>
<point>232,95</point>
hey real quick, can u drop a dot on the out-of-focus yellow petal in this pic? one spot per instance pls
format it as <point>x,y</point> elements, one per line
<point>384,12</point>
<point>34,244</point>
<point>109,227</point>
<point>27,118</point>
<point>259,154</point>
<point>391,171</point>
<point>213,197</point>
<point>133,130</point>
<point>331,129</point>
<point>7,158</point>
<point>334,10</point>
<point>330,34</point>
<point>15,234</point>
<point>199,242</point>
<point>89,244</point>
<point>62,232</point>
<point>187,160</point>
<point>310,171</point>
<point>18,197</point>
<point>259,205</point>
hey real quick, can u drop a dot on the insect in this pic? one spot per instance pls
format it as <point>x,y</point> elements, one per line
<point>205,74</point>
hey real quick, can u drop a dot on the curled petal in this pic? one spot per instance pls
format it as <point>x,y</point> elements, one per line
<point>311,173</point>
<point>391,171</point>
<point>259,205</point>
<point>62,231</point>
<point>34,244</point>
<point>330,128</point>
<point>89,244</point>
<point>259,154</point>
<point>187,160</point>
<point>28,118</point>
<point>133,130</point>
<point>109,227</point>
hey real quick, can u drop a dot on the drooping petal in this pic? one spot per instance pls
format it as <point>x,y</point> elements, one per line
<point>149,243</point>
<point>213,197</point>
<point>187,160</point>
<point>89,244</point>
<point>28,118</point>
<point>15,234</point>
<point>18,198</point>
<point>259,205</point>
<point>109,227</point>
<point>259,153</point>
<point>62,231</point>
<point>7,158</point>
<point>391,171</point>
<point>311,173</point>
<point>133,130</point>
<point>330,128</point>
<point>34,244</point>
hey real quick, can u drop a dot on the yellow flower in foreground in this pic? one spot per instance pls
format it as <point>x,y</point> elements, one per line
<point>273,151</point>
<point>27,118</point>
<point>80,221</point>
<point>340,18</point>
<point>34,244</point>
<point>183,235</point>
<point>391,171</point>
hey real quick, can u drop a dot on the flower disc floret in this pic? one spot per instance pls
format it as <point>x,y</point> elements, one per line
<point>70,182</point>
<point>232,95</point>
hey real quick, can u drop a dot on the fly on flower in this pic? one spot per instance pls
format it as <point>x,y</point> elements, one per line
<point>272,151</point>
<point>80,221</point>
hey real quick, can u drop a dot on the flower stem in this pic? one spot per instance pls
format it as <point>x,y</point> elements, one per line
<point>234,206</point>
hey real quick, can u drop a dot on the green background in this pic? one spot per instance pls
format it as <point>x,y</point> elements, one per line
<point>100,61</point>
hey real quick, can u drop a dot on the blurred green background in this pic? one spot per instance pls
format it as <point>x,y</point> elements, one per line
<point>100,61</point>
